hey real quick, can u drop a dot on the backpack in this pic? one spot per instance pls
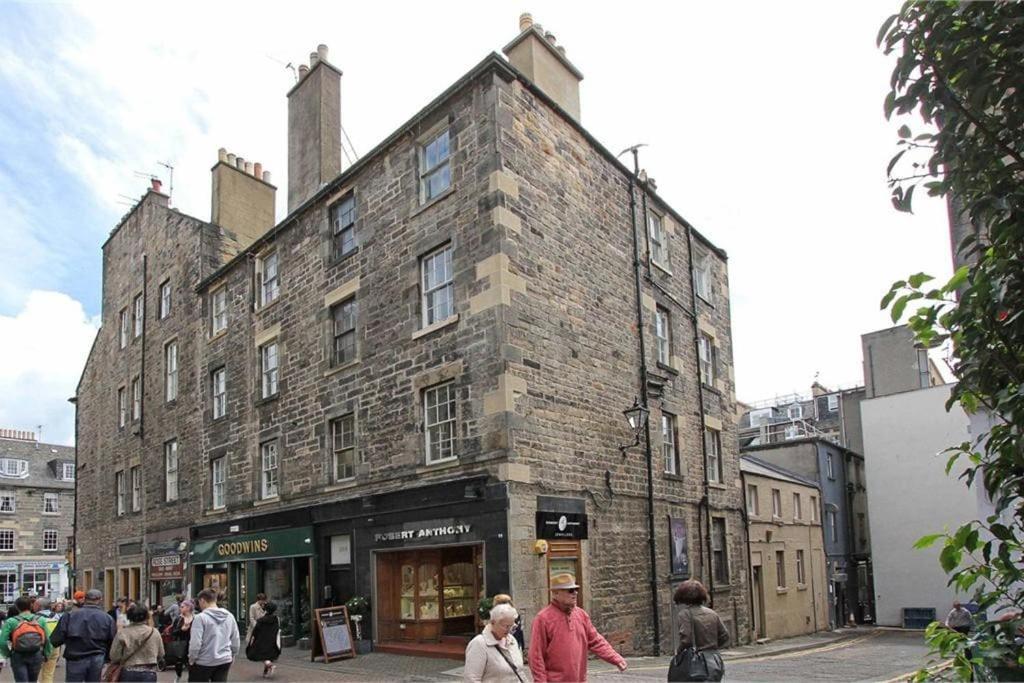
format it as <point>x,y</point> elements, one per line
<point>28,637</point>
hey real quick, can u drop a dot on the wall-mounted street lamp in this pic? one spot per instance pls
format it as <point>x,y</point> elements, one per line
<point>637,416</point>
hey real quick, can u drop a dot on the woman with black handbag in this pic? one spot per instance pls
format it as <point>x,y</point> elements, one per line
<point>181,633</point>
<point>265,640</point>
<point>701,635</point>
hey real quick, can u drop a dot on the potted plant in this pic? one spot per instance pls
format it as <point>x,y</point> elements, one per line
<point>483,608</point>
<point>358,608</point>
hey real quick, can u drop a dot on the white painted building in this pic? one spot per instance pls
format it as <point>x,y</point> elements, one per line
<point>905,436</point>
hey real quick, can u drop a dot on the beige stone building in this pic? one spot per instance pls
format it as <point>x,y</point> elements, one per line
<point>787,557</point>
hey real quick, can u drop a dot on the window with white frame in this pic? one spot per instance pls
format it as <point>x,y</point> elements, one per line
<point>702,276</point>
<point>753,504</point>
<point>268,278</point>
<point>171,371</point>
<point>923,368</point>
<point>798,513</point>
<point>435,166</point>
<point>439,422</point>
<point>814,508</point>
<point>343,440</point>
<point>69,471</point>
<point>437,286</point>
<point>795,412</point>
<point>663,335</point>
<point>830,468</point>
<point>122,407</point>
<point>136,473</point>
<point>659,242</point>
<point>219,310</point>
<point>51,503</point>
<point>7,540</point>
<point>833,529</point>
<point>171,470</point>
<point>343,332</point>
<point>776,503</point>
<point>138,316</point>
<point>713,445</point>
<point>268,369</point>
<point>801,578</point>
<point>218,475</point>
<point>13,468</point>
<point>219,392</point>
<point>780,568</point>
<point>669,452</point>
<point>8,501</point>
<point>343,227</point>
<point>165,299</point>
<point>269,470</point>
<point>124,328</point>
<point>833,403</point>
<point>706,354</point>
<point>49,540</point>
<point>136,399</point>
<point>792,431</point>
<point>119,491</point>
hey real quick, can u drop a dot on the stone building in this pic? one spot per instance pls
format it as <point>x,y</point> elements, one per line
<point>37,503</point>
<point>412,388</point>
<point>787,557</point>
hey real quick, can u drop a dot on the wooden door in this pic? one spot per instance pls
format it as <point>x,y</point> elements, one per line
<point>409,599</point>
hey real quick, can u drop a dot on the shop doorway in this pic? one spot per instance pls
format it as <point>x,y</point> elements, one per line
<point>759,615</point>
<point>429,595</point>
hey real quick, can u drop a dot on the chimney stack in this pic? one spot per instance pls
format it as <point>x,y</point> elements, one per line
<point>537,54</point>
<point>156,184</point>
<point>243,198</point>
<point>314,128</point>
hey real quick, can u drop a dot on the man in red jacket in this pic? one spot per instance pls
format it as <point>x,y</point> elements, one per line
<point>561,636</point>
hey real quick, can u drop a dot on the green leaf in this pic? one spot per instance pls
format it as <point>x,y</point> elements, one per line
<point>958,279</point>
<point>904,131</point>
<point>885,29</point>
<point>927,541</point>
<point>894,161</point>
<point>949,558</point>
<point>919,279</point>
<point>897,308</point>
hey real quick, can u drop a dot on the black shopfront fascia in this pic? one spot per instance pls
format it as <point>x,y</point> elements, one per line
<point>462,512</point>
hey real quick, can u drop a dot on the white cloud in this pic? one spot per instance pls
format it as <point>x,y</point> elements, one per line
<point>43,350</point>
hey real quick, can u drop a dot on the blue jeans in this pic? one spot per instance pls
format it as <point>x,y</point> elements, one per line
<point>26,667</point>
<point>85,669</point>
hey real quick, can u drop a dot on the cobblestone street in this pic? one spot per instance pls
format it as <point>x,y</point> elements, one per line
<point>859,655</point>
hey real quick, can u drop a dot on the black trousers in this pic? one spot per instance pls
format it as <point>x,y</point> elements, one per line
<point>198,672</point>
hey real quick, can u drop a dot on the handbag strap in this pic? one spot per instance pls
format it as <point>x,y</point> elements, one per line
<point>693,633</point>
<point>504,655</point>
<point>140,646</point>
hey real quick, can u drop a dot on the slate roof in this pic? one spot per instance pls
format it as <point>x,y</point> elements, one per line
<point>39,456</point>
<point>752,465</point>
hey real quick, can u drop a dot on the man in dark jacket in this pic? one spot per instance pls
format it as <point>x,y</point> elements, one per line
<point>86,635</point>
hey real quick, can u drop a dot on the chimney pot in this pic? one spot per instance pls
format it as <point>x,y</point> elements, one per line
<point>240,163</point>
<point>313,59</point>
<point>321,52</point>
<point>155,182</point>
<point>248,168</point>
<point>561,50</point>
<point>303,70</point>
<point>230,159</point>
<point>266,177</point>
<point>550,37</point>
<point>222,154</point>
<point>257,170</point>
<point>525,21</point>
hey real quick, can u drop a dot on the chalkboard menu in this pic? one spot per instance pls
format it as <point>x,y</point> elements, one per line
<point>333,635</point>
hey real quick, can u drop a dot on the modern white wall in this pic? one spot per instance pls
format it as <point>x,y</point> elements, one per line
<point>910,495</point>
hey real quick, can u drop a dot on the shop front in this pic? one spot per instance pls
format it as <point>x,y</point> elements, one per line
<point>422,557</point>
<point>278,563</point>
<point>31,577</point>
<point>166,578</point>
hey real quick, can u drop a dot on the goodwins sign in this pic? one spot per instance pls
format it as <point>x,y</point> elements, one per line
<point>283,543</point>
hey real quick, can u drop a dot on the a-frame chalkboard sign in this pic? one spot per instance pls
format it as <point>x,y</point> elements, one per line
<point>332,637</point>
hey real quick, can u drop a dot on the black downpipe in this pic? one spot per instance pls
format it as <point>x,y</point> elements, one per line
<point>647,231</point>
<point>745,513</point>
<point>142,361</point>
<point>655,610</point>
<point>74,514</point>
<point>706,499</point>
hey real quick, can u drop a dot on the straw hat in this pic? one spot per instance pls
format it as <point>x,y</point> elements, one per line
<point>561,582</point>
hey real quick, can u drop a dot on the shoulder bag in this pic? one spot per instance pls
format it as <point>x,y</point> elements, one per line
<point>112,672</point>
<point>504,655</point>
<point>693,664</point>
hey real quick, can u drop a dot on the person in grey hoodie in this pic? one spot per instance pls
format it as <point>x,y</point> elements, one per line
<point>214,642</point>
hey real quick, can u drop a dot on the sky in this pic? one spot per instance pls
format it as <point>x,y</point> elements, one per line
<point>763,124</point>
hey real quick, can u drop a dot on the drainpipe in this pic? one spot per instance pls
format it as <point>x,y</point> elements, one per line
<point>655,611</point>
<point>647,230</point>
<point>745,513</point>
<point>74,515</point>
<point>142,361</point>
<point>706,499</point>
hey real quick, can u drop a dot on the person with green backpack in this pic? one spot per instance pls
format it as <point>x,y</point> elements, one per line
<point>24,641</point>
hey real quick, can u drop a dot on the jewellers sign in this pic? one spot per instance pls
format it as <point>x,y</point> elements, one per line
<point>561,525</point>
<point>423,532</point>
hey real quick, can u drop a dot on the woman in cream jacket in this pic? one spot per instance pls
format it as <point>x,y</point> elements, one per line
<point>494,655</point>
